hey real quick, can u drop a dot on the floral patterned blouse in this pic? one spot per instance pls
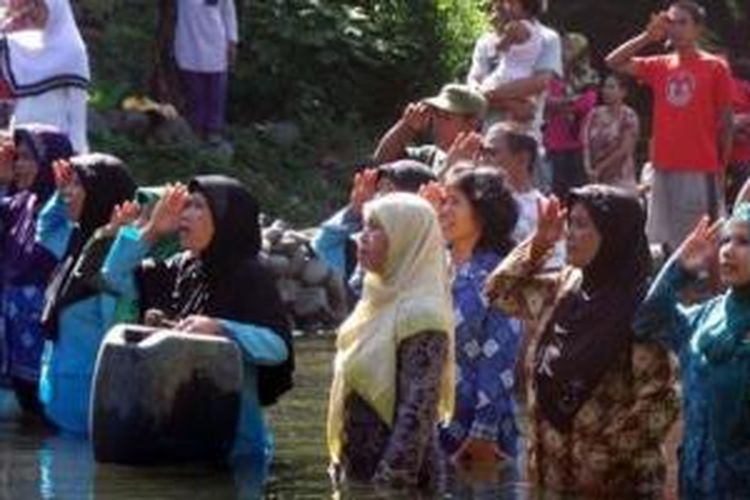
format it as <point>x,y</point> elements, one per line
<point>603,134</point>
<point>404,455</point>
<point>614,447</point>
<point>486,350</point>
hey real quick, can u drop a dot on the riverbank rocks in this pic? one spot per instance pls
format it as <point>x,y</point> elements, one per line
<point>143,119</point>
<point>314,293</point>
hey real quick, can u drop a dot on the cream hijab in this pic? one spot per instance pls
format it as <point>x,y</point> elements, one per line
<point>412,295</point>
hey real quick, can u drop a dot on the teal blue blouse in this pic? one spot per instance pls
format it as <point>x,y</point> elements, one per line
<point>259,345</point>
<point>712,341</point>
<point>68,363</point>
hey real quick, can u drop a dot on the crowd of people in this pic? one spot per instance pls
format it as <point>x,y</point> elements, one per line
<point>505,309</point>
<point>81,254</point>
<point>567,347</point>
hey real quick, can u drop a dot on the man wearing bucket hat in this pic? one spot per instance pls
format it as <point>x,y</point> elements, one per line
<point>428,128</point>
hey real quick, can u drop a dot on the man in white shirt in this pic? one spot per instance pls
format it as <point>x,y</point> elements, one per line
<point>428,128</point>
<point>205,47</point>
<point>512,149</point>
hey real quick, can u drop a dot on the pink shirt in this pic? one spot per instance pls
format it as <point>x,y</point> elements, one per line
<point>562,131</point>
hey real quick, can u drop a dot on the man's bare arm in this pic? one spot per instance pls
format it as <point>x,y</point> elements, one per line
<point>621,59</point>
<point>519,89</point>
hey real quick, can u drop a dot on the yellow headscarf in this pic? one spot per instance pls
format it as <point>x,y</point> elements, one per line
<point>412,295</point>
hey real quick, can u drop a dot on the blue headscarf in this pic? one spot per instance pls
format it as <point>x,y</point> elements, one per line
<point>719,343</point>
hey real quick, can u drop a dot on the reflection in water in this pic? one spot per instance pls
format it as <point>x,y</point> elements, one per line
<point>37,464</point>
<point>301,455</point>
<point>34,464</point>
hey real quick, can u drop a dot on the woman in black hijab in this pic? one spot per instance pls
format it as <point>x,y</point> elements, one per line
<point>77,310</point>
<point>600,405</point>
<point>216,286</point>
<point>23,268</point>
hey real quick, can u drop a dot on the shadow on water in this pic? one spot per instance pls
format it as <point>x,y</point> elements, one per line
<point>37,464</point>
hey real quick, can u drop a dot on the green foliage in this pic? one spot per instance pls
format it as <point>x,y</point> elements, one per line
<point>109,94</point>
<point>340,70</point>
<point>460,22</point>
<point>121,48</point>
<point>350,59</point>
<point>289,181</point>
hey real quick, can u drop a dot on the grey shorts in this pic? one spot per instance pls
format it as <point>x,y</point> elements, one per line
<point>677,202</point>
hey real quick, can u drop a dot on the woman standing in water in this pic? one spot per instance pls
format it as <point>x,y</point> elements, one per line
<point>215,286</point>
<point>713,343</point>
<point>600,406</point>
<point>25,268</point>
<point>393,375</point>
<point>478,216</point>
<point>78,309</point>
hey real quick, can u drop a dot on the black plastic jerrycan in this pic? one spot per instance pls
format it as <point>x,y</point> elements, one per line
<point>162,396</point>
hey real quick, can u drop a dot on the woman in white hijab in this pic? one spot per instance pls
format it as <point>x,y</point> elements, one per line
<point>43,58</point>
<point>393,376</point>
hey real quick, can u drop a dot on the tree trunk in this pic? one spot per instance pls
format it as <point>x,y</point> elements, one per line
<point>165,81</point>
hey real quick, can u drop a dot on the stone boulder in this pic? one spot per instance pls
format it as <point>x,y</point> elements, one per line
<point>315,294</point>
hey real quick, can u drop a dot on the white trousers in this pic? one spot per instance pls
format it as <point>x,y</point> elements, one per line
<point>64,108</point>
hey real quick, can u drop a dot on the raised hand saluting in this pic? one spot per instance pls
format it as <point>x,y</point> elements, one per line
<point>434,193</point>
<point>551,224</point>
<point>64,174</point>
<point>466,147</point>
<point>69,187</point>
<point>701,246</point>
<point>122,215</point>
<point>364,189</point>
<point>416,117</point>
<point>7,159</point>
<point>165,218</point>
<point>657,28</point>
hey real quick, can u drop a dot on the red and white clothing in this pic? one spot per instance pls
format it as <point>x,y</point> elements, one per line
<point>690,93</point>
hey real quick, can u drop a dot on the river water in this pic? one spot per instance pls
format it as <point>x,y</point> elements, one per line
<point>37,464</point>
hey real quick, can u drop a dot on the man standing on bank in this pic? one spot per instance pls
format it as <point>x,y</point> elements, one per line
<point>205,47</point>
<point>692,119</point>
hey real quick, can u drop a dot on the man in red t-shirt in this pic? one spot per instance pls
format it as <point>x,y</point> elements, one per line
<point>692,124</point>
